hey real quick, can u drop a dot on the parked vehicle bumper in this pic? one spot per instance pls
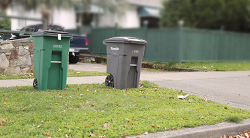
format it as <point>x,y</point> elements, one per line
<point>78,50</point>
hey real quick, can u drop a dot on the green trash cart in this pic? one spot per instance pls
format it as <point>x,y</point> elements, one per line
<point>50,64</point>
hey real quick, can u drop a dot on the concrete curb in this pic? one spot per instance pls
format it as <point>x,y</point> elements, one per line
<point>215,132</point>
<point>211,131</point>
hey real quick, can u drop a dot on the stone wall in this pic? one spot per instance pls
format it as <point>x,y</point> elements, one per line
<point>16,56</point>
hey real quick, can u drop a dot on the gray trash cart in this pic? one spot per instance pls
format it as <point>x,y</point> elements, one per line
<point>124,59</point>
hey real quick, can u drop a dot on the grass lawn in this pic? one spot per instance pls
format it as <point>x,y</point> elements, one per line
<point>216,66</point>
<point>97,110</point>
<point>71,73</point>
<point>207,66</point>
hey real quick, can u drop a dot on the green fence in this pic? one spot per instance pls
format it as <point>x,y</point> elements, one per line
<point>179,44</point>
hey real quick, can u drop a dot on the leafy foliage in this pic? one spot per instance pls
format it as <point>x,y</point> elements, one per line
<point>5,24</point>
<point>231,15</point>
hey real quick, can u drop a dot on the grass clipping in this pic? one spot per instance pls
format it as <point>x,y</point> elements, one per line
<point>97,110</point>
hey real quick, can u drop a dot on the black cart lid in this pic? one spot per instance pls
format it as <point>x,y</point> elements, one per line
<point>124,39</point>
<point>52,32</point>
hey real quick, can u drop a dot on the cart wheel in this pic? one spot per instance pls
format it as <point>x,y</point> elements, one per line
<point>109,81</point>
<point>35,84</point>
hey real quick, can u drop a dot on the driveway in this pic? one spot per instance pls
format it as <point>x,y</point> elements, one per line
<point>231,88</point>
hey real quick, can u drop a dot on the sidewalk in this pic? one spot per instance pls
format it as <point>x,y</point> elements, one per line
<point>222,87</point>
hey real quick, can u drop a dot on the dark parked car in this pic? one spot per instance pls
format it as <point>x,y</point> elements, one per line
<point>78,44</point>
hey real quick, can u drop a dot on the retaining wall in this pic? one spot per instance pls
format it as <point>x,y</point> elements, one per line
<point>16,56</point>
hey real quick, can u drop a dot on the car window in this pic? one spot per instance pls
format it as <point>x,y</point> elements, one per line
<point>28,29</point>
<point>55,28</point>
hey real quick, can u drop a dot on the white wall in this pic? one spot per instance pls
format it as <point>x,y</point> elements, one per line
<point>18,23</point>
<point>63,17</point>
<point>129,19</point>
<point>67,18</point>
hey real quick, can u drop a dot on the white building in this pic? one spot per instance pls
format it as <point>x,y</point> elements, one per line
<point>137,12</point>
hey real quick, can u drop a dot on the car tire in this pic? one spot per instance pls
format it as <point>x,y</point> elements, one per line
<point>73,59</point>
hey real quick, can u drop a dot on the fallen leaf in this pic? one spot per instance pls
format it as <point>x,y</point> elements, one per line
<point>65,88</point>
<point>46,133</point>
<point>91,134</point>
<point>3,122</point>
<point>182,97</point>
<point>87,102</point>
<point>153,125</point>
<point>85,124</point>
<point>205,98</point>
<point>124,126</point>
<point>128,119</point>
<point>88,89</point>
<point>106,125</point>
<point>225,107</point>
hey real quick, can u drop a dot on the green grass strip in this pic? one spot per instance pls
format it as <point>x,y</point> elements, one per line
<point>206,66</point>
<point>71,73</point>
<point>216,66</point>
<point>94,109</point>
